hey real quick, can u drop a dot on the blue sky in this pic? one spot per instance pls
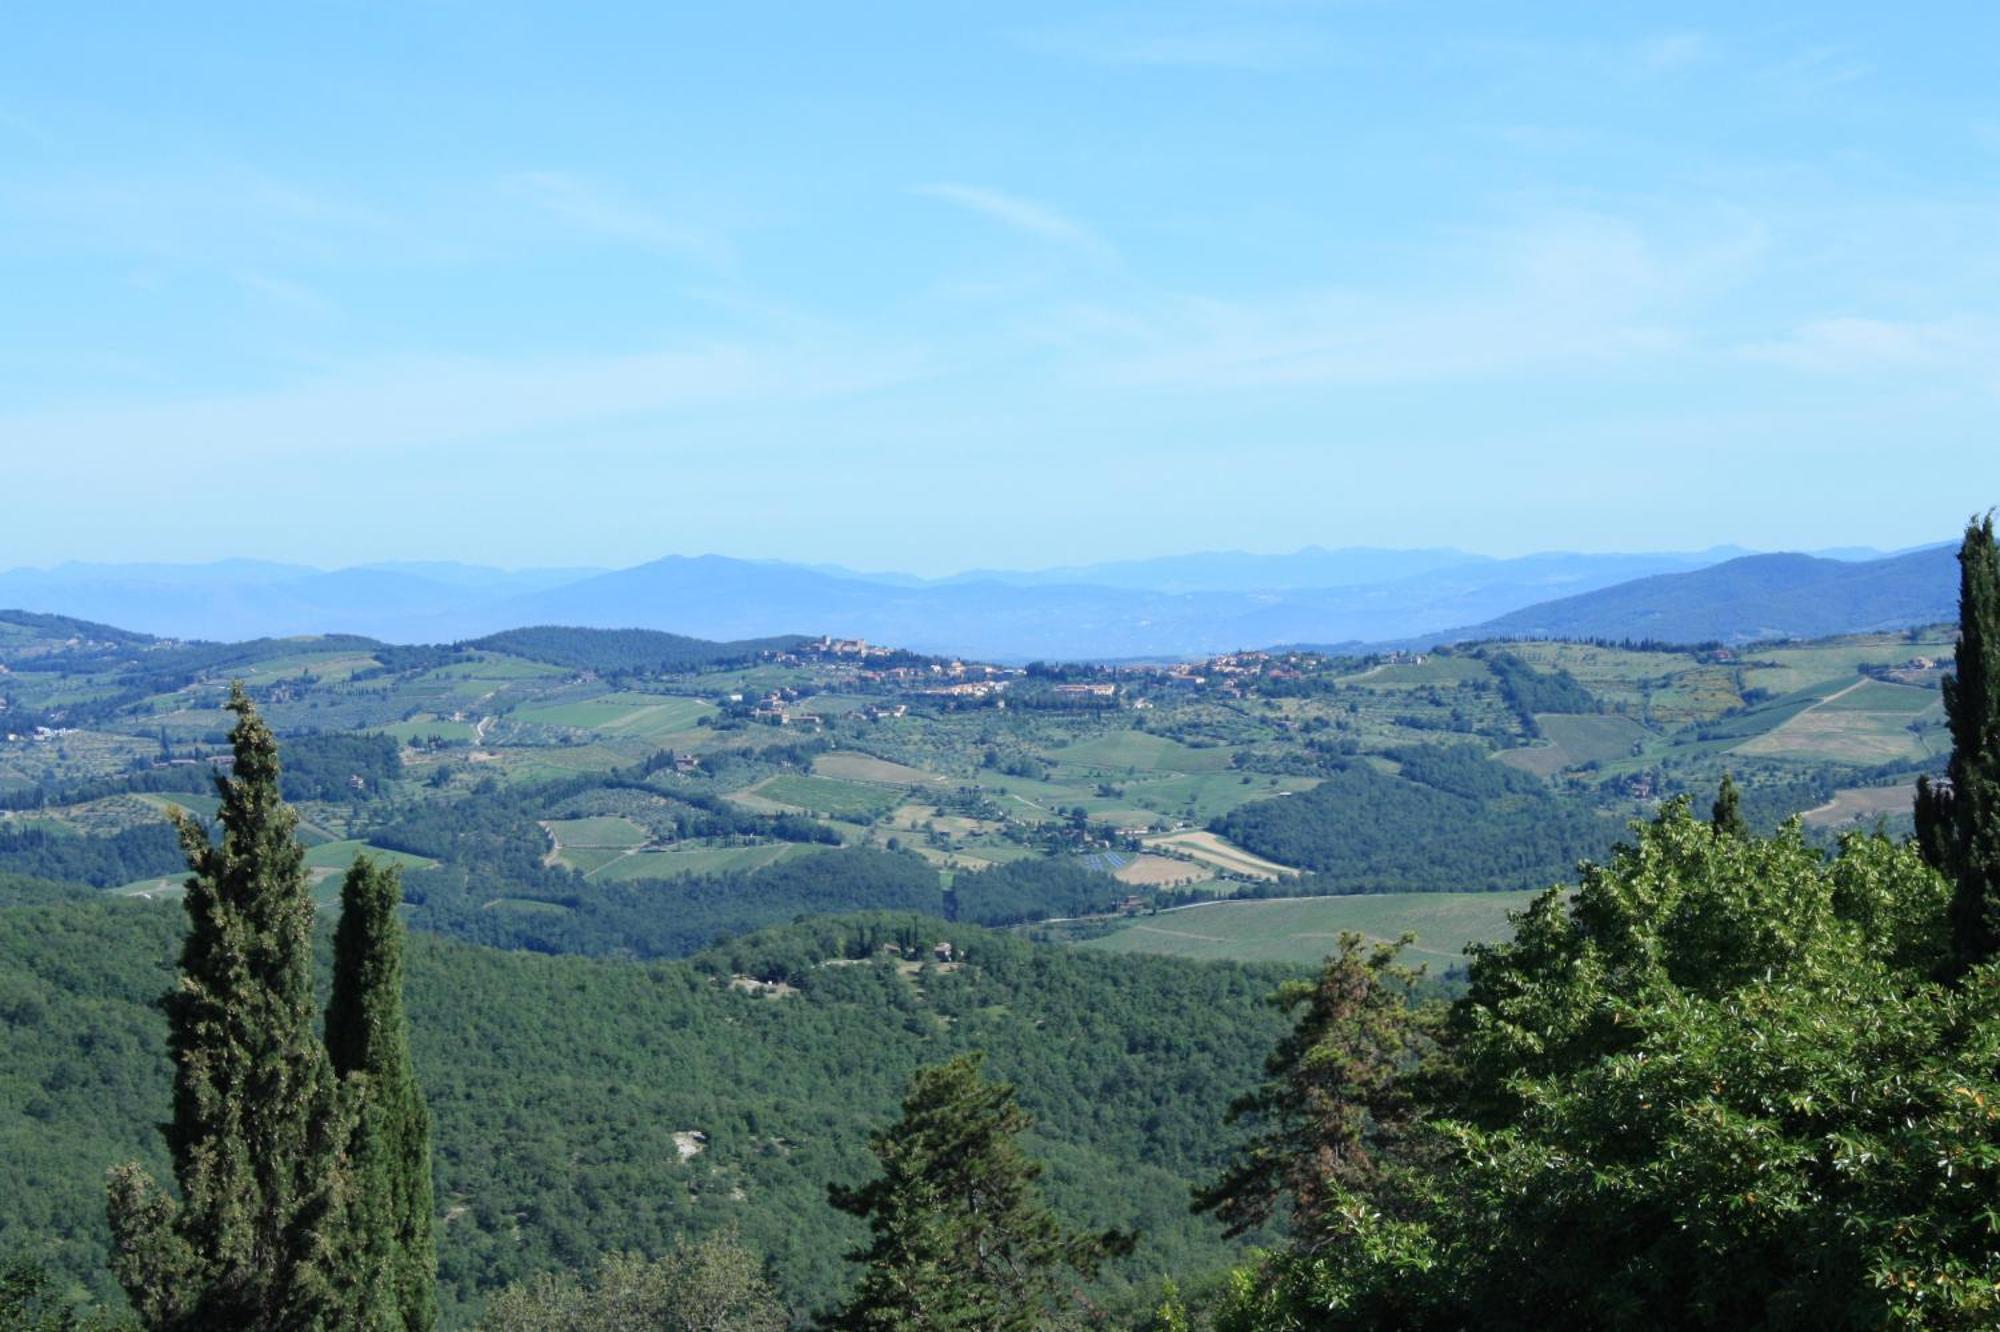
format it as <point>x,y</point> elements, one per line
<point>936,286</point>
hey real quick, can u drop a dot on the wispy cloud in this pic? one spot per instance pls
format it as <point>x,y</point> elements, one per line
<point>1674,50</point>
<point>1164,41</point>
<point>1023,215</point>
<point>283,291</point>
<point>420,404</point>
<point>592,208</point>
<point>1560,293</point>
<point>1856,345</point>
<point>1817,70</point>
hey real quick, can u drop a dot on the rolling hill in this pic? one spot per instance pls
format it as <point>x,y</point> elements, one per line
<point>1747,599</point>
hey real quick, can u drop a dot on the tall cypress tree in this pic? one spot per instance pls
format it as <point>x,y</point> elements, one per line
<point>1726,816</point>
<point>1958,822</point>
<point>255,1133</point>
<point>389,1268</point>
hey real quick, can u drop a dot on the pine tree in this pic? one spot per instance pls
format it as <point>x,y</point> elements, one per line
<point>1335,1108</point>
<point>255,1130</point>
<point>1726,818</point>
<point>389,1261</point>
<point>960,1240</point>
<point>1958,822</point>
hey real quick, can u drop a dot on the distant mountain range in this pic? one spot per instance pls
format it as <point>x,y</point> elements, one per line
<point>1742,600</point>
<point>1173,606</point>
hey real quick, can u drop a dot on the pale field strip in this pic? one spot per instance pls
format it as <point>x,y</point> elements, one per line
<point>1208,847</point>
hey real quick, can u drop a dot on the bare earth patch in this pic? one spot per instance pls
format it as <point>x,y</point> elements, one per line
<point>1861,803</point>
<point>1150,871</point>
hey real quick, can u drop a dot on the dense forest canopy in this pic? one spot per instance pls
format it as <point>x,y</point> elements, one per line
<point>625,650</point>
<point>559,1085</point>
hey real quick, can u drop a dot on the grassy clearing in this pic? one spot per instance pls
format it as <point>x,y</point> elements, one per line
<point>1302,931</point>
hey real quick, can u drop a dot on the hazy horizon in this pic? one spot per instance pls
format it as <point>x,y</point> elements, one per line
<point>1844,550</point>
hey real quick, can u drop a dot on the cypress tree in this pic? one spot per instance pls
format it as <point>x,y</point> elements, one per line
<point>389,1267</point>
<point>1726,817</point>
<point>1958,821</point>
<point>255,1134</point>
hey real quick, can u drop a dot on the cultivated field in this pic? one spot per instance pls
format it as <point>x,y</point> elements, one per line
<point>1210,849</point>
<point>1573,739</point>
<point>1867,722</point>
<point>641,716</point>
<point>590,844</point>
<point>854,766</point>
<point>1862,804</point>
<point>676,863</point>
<point>830,796</point>
<point>1150,871</point>
<point>1303,930</point>
<point>1139,751</point>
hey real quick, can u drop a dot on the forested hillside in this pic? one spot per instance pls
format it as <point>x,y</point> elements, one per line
<point>586,1106</point>
<point>623,651</point>
<point>1450,821</point>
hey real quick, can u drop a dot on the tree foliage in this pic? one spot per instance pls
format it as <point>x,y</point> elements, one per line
<point>1715,1085</point>
<point>388,1261</point>
<point>1726,816</point>
<point>958,1237</point>
<point>1362,830</point>
<point>1335,1111</point>
<point>255,1131</point>
<point>303,1170</point>
<point>710,1285</point>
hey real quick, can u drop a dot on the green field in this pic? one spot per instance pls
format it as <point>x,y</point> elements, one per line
<point>1880,696</point>
<point>339,855</point>
<point>829,796</point>
<point>1304,930</point>
<point>703,860</point>
<point>588,845</point>
<point>854,766</point>
<point>1138,751</point>
<point>1861,723</point>
<point>423,728</point>
<point>326,863</point>
<point>1573,739</point>
<point>644,716</point>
